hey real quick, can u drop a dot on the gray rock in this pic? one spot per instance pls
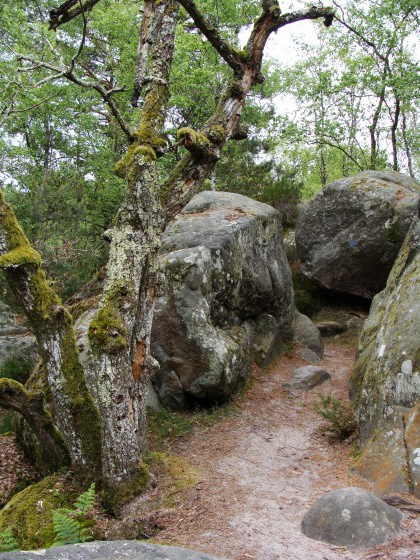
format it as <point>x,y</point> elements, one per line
<point>353,518</point>
<point>307,334</point>
<point>110,550</point>
<point>225,298</point>
<point>308,377</point>
<point>349,235</point>
<point>412,443</point>
<point>386,374</point>
<point>289,243</point>
<point>308,355</point>
<point>330,328</point>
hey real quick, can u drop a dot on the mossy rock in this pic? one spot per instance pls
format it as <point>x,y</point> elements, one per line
<point>30,512</point>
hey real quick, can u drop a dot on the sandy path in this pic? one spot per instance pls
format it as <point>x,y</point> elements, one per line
<point>262,468</point>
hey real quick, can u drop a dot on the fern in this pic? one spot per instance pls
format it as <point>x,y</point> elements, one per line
<point>8,541</point>
<point>69,524</point>
<point>85,501</point>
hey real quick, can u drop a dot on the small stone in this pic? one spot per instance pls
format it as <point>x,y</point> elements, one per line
<point>308,377</point>
<point>308,355</point>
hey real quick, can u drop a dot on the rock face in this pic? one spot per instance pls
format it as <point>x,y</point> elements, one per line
<point>353,518</point>
<point>109,550</point>
<point>387,368</point>
<point>348,236</point>
<point>225,298</point>
<point>386,378</point>
<point>16,342</point>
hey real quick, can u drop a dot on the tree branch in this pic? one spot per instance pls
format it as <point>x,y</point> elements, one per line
<point>229,54</point>
<point>69,74</point>
<point>68,11</point>
<point>272,20</point>
<point>30,405</point>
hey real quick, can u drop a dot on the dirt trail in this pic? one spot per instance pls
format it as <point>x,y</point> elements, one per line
<point>262,468</point>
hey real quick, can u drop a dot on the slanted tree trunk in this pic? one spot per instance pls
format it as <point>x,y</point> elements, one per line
<point>72,406</point>
<point>110,392</point>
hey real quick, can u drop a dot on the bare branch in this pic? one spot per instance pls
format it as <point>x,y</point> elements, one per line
<point>231,57</point>
<point>68,11</point>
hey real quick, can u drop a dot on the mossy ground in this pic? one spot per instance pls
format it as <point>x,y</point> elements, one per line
<point>29,513</point>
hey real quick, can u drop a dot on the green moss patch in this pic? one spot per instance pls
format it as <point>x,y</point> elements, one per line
<point>30,513</point>
<point>113,498</point>
<point>107,331</point>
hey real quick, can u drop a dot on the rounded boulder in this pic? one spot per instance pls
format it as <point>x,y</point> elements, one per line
<point>353,518</point>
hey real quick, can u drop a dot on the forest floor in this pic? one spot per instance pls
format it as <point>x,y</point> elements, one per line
<point>246,474</point>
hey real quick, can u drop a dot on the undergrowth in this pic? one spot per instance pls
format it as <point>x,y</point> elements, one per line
<point>8,541</point>
<point>70,524</point>
<point>340,418</point>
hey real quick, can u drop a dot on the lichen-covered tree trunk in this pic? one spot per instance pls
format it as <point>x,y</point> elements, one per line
<point>119,334</point>
<point>72,407</point>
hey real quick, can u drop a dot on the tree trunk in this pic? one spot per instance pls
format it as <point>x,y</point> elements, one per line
<point>407,145</point>
<point>394,128</point>
<point>119,335</point>
<point>72,406</point>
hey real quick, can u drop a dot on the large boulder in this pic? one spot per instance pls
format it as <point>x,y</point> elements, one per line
<point>348,236</point>
<point>225,298</point>
<point>385,382</point>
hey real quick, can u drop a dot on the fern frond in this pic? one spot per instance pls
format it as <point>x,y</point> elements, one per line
<point>67,530</point>
<point>85,501</point>
<point>8,541</point>
<point>69,523</point>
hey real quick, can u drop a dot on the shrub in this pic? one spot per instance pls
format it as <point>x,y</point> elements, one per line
<point>340,417</point>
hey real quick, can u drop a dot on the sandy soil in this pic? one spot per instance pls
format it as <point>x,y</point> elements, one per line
<point>262,468</point>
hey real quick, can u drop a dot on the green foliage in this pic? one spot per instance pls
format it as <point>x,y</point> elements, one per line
<point>70,524</point>
<point>340,417</point>
<point>166,424</point>
<point>350,91</point>
<point>7,541</point>
<point>17,368</point>
<point>7,424</point>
